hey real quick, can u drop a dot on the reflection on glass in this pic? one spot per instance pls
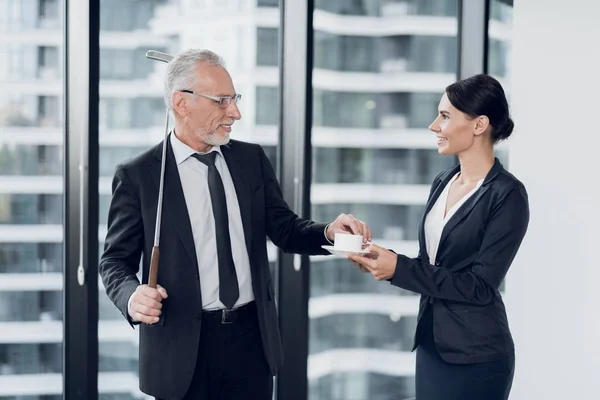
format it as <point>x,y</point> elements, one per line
<point>384,54</point>
<point>31,257</point>
<point>389,8</point>
<point>373,157</point>
<point>31,211</point>
<point>47,397</point>
<point>267,42</point>
<point>389,166</point>
<point>373,110</point>
<point>117,356</point>
<point>24,159</point>
<point>31,306</point>
<point>387,221</point>
<point>376,331</point>
<point>27,359</point>
<point>332,276</point>
<point>360,386</point>
<point>267,112</point>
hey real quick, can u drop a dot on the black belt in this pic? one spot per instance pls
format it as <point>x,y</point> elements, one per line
<point>230,316</point>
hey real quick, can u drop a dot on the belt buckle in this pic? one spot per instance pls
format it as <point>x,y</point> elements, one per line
<point>224,314</point>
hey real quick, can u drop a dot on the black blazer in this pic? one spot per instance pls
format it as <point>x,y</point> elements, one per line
<point>477,247</point>
<point>168,349</point>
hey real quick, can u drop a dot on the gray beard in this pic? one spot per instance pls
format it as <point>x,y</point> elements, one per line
<point>214,139</point>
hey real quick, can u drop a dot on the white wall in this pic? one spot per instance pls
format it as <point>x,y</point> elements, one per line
<point>553,288</point>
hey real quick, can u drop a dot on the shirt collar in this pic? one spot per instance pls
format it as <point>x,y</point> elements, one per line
<point>182,151</point>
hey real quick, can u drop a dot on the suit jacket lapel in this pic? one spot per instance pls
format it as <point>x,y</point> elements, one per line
<point>467,207</point>
<point>461,213</point>
<point>237,169</point>
<point>174,206</point>
<point>431,201</point>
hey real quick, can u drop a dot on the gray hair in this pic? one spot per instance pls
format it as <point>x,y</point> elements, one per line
<point>182,73</point>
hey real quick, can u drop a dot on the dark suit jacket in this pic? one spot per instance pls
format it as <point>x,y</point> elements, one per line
<point>477,247</point>
<point>168,349</point>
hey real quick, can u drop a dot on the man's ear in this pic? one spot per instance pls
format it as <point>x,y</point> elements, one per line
<point>481,125</point>
<point>180,106</point>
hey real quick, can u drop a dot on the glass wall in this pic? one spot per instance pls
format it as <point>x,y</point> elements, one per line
<point>499,54</point>
<point>31,196</point>
<point>375,92</point>
<point>499,61</point>
<point>389,8</point>
<point>385,54</point>
<point>500,38</point>
<point>131,118</point>
<point>380,67</point>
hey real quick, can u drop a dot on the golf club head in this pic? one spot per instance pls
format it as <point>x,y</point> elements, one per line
<point>158,56</point>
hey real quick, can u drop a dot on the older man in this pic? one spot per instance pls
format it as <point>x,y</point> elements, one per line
<point>215,334</point>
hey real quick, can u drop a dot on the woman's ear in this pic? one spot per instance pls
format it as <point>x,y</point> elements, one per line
<point>481,125</point>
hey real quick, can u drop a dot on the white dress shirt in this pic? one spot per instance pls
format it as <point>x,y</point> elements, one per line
<point>194,181</point>
<point>436,221</point>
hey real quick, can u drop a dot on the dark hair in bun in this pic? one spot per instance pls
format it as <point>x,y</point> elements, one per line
<point>483,95</point>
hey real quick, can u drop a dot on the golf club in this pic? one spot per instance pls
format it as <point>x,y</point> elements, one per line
<point>158,56</point>
<point>152,275</point>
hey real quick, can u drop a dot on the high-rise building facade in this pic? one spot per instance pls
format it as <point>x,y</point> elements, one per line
<point>31,255</point>
<point>380,68</point>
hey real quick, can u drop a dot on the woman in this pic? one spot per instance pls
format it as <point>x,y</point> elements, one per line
<point>475,219</point>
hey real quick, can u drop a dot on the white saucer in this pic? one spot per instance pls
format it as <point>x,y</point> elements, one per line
<point>338,252</point>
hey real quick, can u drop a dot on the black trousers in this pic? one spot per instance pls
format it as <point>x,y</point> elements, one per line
<point>438,380</point>
<point>231,364</point>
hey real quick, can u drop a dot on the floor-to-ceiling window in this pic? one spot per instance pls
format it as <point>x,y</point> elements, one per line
<point>380,68</point>
<point>31,196</point>
<point>131,119</point>
<point>499,54</point>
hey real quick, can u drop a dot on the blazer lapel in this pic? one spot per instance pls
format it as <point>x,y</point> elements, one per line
<point>174,206</point>
<point>242,189</point>
<point>461,213</point>
<point>431,201</point>
<point>467,207</point>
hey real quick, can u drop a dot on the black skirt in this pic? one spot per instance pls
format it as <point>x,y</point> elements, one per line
<point>437,379</point>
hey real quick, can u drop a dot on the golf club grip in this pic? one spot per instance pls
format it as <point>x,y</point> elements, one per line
<point>153,274</point>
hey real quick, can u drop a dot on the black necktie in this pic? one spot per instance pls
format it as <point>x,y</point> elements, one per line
<point>228,284</point>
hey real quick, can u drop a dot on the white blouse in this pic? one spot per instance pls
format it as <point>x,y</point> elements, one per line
<point>435,220</point>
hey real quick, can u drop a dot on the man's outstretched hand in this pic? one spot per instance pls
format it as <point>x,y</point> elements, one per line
<point>348,223</point>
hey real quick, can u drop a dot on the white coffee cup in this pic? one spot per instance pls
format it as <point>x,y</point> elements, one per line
<point>347,242</point>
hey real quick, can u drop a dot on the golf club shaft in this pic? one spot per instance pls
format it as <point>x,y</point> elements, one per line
<point>152,276</point>
<point>155,257</point>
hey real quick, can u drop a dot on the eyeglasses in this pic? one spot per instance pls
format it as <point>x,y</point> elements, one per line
<point>223,101</point>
